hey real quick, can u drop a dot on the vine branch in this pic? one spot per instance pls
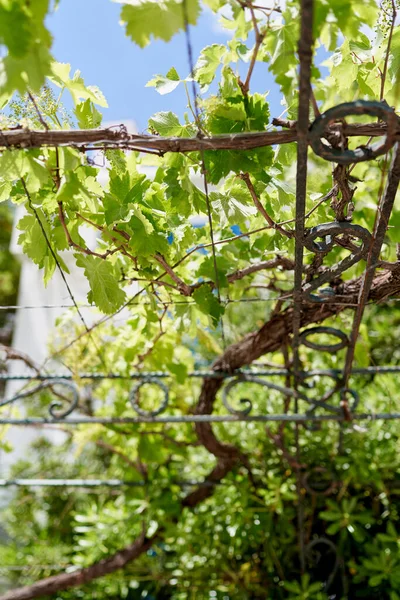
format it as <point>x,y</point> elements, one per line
<point>86,139</point>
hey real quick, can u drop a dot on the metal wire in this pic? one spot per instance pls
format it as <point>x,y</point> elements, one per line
<point>281,372</point>
<point>286,297</point>
<point>289,418</point>
<point>91,483</point>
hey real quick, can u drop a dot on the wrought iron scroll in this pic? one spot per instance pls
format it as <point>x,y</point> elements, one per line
<point>134,397</point>
<point>361,107</point>
<point>245,401</point>
<point>344,340</point>
<point>329,232</point>
<point>57,404</point>
<point>314,557</point>
<point>315,484</point>
<point>328,411</point>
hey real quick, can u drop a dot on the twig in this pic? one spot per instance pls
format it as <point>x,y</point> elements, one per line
<point>385,66</point>
<point>259,40</point>
<point>42,121</point>
<point>261,209</point>
<point>52,252</point>
<point>279,261</point>
<point>181,285</point>
<point>269,8</point>
<point>13,354</point>
<point>73,244</point>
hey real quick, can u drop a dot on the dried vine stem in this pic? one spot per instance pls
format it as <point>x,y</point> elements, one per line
<point>88,138</point>
<point>261,209</point>
<point>259,40</point>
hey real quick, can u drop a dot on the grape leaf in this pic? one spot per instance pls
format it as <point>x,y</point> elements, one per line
<point>144,19</point>
<point>76,86</point>
<point>230,210</point>
<point>105,291</point>
<point>167,124</point>
<point>208,303</point>
<point>23,32</point>
<point>165,84</point>
<point>87,114</point>
<point>208,63</point>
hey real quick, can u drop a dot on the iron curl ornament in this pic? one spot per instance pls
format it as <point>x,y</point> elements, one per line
<point>328,232</point>
<point>322,402</point>
<point>361,107</point>
<point>134,397</point>
<point>57,404</point>
<point>344,340</point>
<point>314,403</point>
<point>315,557</point>
<point>318,481</point>
<point>246,401</point>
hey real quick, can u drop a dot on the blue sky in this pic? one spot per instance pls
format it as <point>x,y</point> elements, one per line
<point>88,35</point>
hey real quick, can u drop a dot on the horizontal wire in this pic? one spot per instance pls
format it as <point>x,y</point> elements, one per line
<point>32,567</point>
<point>89,483</point>
<point>157,301</point>
<point>295,418</point>
<point>180,302</point>
<point>375,370</point>
<point>43,306</point>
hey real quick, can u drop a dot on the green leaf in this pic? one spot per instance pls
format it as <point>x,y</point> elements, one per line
<point>5,190</point>
<point>60,76</point>
<point>230,210</point>
<point>344,71</point>
<point>120,185</point>
<point>114,210</point>
<point>117,160</point>
<point>281,54</point>
<point>219,163</point>
<point>167,124</point>
<point>87,115</point>
<point>105,290</point>
<point>215,5</point>
<point>208,303</point>
<point>207,270</point>
<point>146,19</point>
<point>328,515</point>
<point>350,16</point>
<point>165,84</point>
<point>292,586</point>
<point>32,239</point>
<point>149,449</point>
<point>23,33</point>
<point>13,164</point>
<point>180,371</point>
<point>376,580</point>
<point>15,30</point>
<point>209,60</point>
